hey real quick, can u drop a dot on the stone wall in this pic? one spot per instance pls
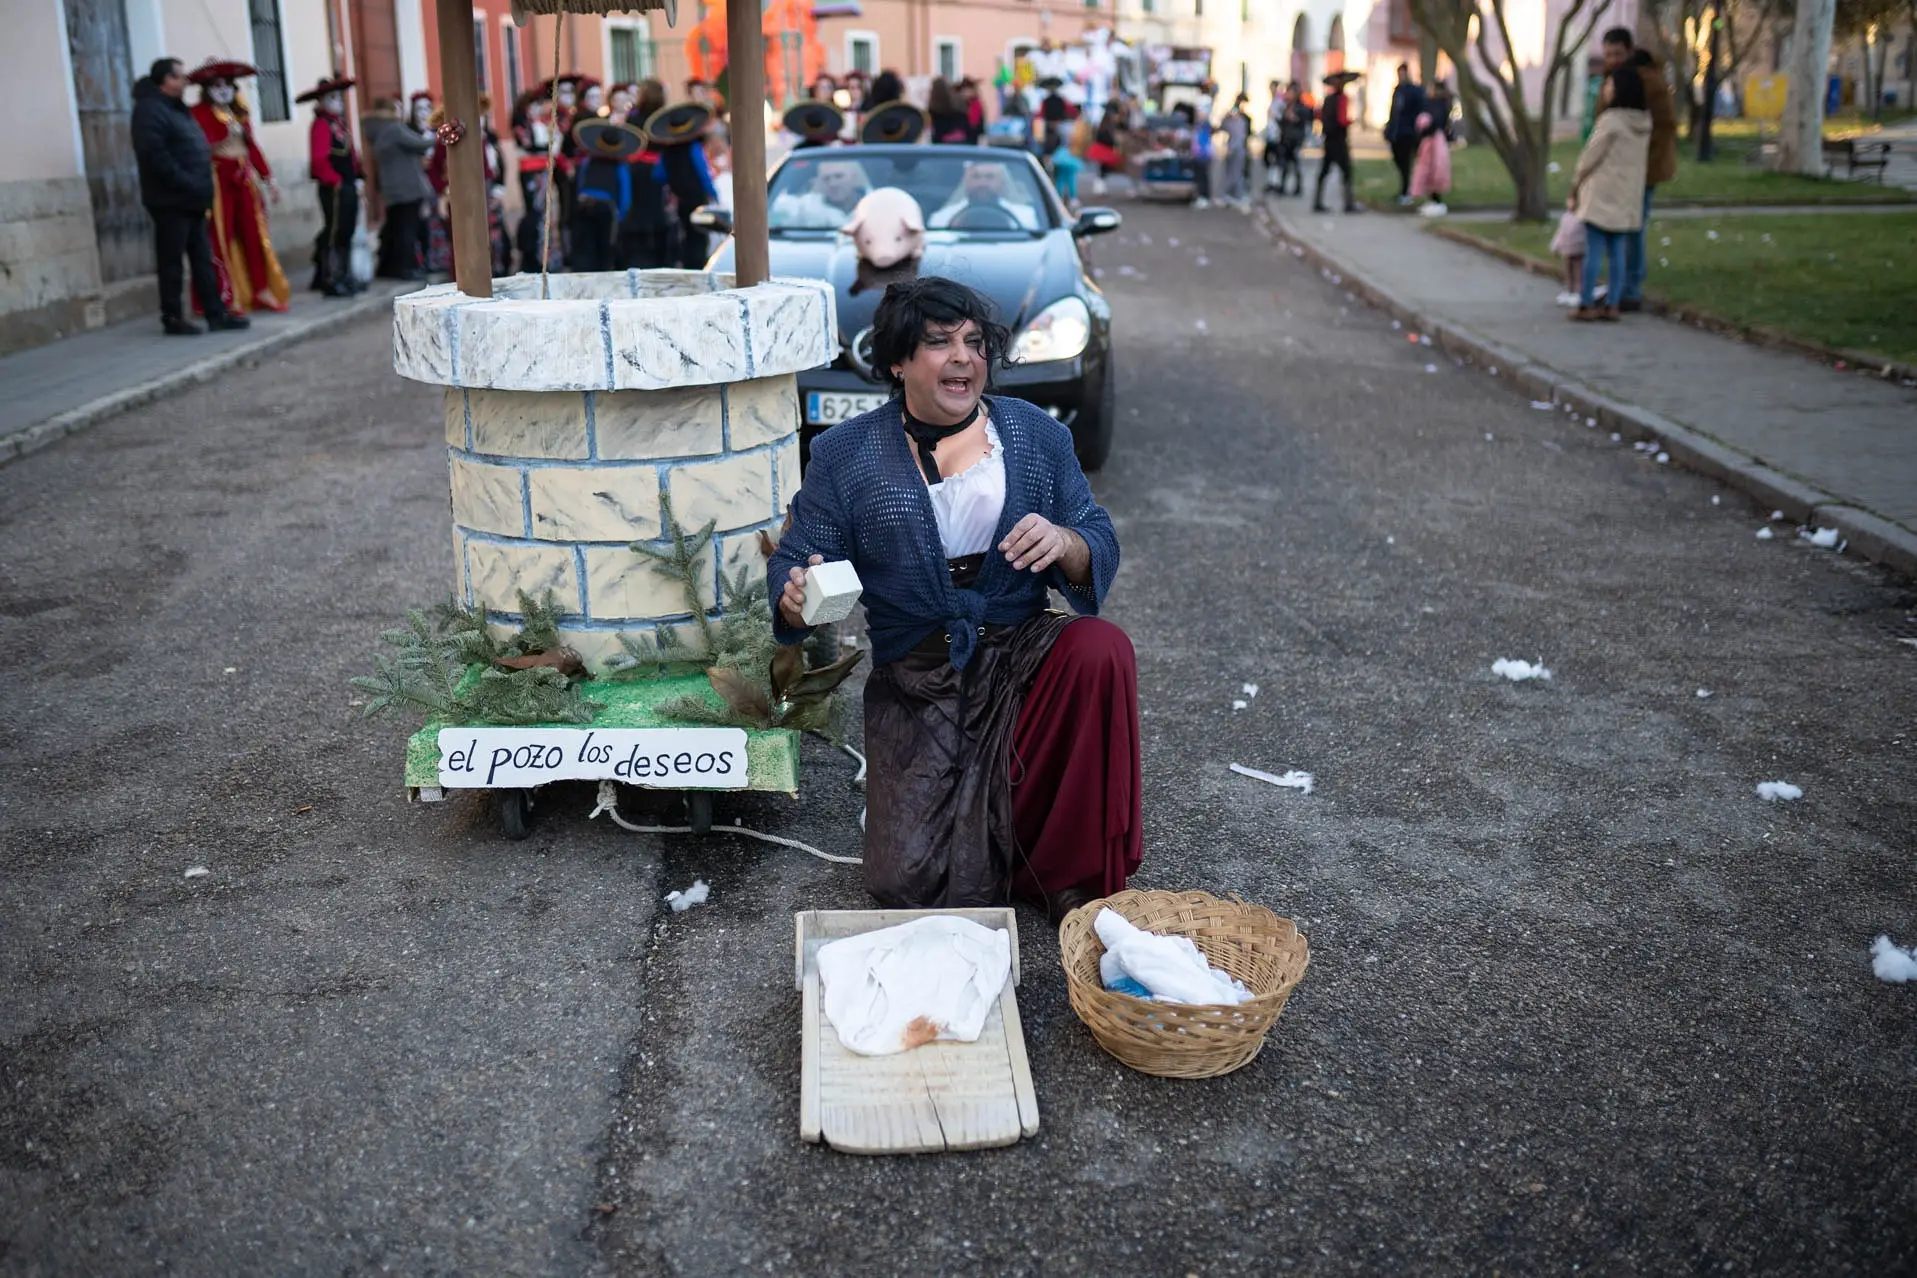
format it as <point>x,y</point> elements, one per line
<point>658,384</point>
<point>49,265</point>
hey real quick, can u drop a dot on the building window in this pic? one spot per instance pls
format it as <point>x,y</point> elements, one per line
<point>269,56</point>
<point>482,73</point>
<point>515,71</point>
<point>634,56</point>
<point>1197,8</point>
<point>946,54</point>
<point>1148,6</point>
<point>862,52</point>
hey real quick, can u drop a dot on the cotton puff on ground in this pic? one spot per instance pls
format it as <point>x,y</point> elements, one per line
<point>1518,671</point>
<point>1765,534</point>
<point>196,872</point>
<point>694,895</point>
<point>1250,689</point>
<point>1292,780</point>
<point>1822,538</point>
<point>1892,962</point>
<point>1772,791</point>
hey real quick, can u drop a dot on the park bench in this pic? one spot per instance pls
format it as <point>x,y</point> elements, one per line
<point>1871,157</point>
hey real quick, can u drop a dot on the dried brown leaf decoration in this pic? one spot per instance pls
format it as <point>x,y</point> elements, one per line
<point>815,684</point>
<point>566,661</point>
<point>739,693</point>
<point>788,664</point>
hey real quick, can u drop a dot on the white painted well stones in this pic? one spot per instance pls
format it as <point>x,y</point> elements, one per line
<point>567,419</point>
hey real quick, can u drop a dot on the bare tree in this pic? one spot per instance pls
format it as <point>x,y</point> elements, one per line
<point>1678,28</point>
<point>1800,137</point>
<point>1476,37</point>
<point>1869,22</point>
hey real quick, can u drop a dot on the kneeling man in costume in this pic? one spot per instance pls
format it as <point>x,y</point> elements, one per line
<point>1002,736</point>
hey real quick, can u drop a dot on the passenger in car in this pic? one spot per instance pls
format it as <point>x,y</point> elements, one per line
<point>1002,737</point>
<point>835,192</point>
<point>986,184</point>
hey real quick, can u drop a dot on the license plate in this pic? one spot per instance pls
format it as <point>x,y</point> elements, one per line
<point>823,408</point>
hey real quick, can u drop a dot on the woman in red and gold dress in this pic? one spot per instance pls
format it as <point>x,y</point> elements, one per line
<point>250,275</point>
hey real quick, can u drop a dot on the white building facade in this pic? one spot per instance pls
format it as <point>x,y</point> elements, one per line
<point>75,243</point>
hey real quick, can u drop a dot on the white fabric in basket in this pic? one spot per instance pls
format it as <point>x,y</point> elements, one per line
<point>945,971</point>
<point>1171,967</point>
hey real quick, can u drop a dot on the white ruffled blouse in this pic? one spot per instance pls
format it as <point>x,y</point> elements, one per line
<point>969,503</point>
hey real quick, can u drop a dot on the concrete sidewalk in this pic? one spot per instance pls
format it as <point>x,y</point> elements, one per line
<point>66,386</point>
<point>1838,449</point>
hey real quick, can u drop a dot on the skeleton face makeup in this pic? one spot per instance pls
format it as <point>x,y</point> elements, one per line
<point>334,102</point>
<point>566,95</point>
<point>422,111</point>
<point>221,92</point>
<point>593,99</point>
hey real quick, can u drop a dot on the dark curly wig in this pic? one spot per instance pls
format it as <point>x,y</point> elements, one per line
<point>911,306</point>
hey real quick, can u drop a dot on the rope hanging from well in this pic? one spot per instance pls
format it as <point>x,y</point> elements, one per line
<point>552,148</point>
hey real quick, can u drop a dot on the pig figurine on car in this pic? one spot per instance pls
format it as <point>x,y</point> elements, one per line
<point>888,232</point>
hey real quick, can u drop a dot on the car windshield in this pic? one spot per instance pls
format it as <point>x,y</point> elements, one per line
<point>966,195</point>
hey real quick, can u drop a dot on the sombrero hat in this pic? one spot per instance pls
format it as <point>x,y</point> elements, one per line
<point>680,122</point>
<point>1343,77</point>
<point>327,85</point>
<point>220,69</point>
<point>893,122</point>
<point>608,139</point>
<point>579,83</point>
<point>814,121</point>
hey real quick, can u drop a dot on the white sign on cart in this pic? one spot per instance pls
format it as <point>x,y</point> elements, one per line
<point>657,758</point>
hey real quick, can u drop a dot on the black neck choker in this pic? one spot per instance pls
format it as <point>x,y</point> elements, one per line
<point>927,437</point>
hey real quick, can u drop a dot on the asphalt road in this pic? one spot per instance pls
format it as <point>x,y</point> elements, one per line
<point>1578,998</point>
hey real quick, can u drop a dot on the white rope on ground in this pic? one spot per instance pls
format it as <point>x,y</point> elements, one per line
<point>609,804</point>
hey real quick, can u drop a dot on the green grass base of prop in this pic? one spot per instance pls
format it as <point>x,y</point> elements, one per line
<point>772,755</point>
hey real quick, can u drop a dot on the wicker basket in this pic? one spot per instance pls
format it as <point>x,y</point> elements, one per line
<point>1178,1040</point>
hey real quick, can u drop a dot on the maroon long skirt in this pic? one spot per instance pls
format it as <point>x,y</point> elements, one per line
<point>1019,777</point>
<point>1076,788</point>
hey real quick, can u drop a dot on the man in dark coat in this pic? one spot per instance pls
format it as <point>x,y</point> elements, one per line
<point>1401,128</point>
<point>176,185</point>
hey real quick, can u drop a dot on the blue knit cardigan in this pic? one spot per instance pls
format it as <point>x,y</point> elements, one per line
<point>864,499</point>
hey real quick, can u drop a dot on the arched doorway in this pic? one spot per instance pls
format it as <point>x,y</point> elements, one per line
<point>1301,52</point>
<point>1335,46</point>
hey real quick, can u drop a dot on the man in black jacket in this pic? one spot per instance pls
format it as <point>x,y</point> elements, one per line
<point>1401,128</point>
<point>176,185</point>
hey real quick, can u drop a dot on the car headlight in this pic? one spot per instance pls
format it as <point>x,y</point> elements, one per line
<point>1060,331</point>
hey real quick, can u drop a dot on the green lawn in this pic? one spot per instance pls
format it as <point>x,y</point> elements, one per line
<point>1480,181</point>
<point>1843,279</point>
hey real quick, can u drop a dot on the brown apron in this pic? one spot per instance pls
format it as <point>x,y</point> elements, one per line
<point>938,817</point>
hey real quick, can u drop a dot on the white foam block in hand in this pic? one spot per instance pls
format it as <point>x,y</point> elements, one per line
<point>831,592</point>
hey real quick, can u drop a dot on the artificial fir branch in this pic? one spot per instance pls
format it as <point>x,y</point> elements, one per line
<point>437,653</point>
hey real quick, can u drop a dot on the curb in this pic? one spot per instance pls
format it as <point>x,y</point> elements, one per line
<point>74,420</point>
<point>1869,535</point>
<point>1755,334</point>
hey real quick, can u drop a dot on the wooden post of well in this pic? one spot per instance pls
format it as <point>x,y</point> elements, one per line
<point>465,163</point>
<point>745,65</point>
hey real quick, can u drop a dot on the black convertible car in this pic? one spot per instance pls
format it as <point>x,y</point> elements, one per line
<point>992,222</point>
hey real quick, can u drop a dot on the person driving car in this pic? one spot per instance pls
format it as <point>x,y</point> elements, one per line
<point>986,185</point>
<point>835,192</point>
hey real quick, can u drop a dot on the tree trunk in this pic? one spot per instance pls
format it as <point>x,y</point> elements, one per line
<point>1534,202</point>
<point>1427,59</point>
<point>1800,138</point>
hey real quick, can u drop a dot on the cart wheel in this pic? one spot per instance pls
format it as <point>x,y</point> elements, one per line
<point>699,811</point>
<point>515,813</point>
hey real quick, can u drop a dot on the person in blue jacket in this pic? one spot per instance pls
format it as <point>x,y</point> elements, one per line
<point>602,191</point>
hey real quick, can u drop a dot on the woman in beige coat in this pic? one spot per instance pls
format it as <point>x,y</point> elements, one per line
<point>1607,190</point>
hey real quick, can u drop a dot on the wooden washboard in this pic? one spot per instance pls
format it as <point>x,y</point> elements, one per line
<point>934,1098</point>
